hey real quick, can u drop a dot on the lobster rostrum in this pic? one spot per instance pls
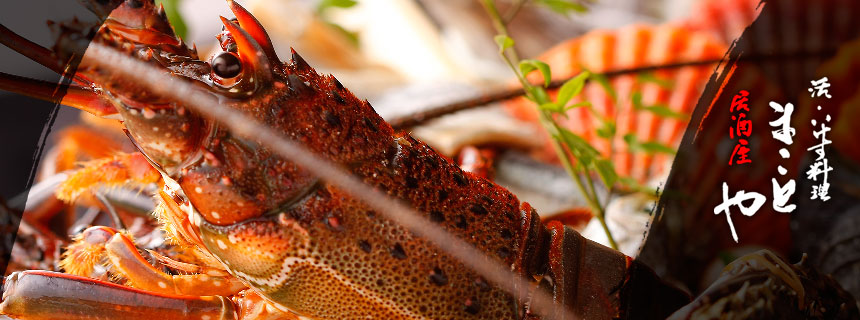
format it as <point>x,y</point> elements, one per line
<point>250,218</point>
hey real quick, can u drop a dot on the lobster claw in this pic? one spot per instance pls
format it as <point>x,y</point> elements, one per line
<point>256,66</point>
<point>255,29</point>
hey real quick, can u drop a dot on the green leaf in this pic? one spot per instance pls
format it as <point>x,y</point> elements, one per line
<point>658,109</point>
<point>581,149</point>
<point>634,185</point>
<point>648,146</point>
<point>650,77</point>
<point>504,42</point>
<point>664,111</point>
<point>636,98</point>
<point>564,7</point>
<point>606,170</point>
<point>350,35</point>
<point>607,130</point>
<point>655,147</point>
<point>630,139</point>
<point>572,87</point>
<point>527,66</point>
<point>325,4</point>
<point>577,105</point>
<point>171,8</point>
<point>550,106</point>
<point>540,94</point>
<point>604,82</point>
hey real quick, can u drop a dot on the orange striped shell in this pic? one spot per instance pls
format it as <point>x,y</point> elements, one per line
<point>723,19</point>
<point>631,47</point>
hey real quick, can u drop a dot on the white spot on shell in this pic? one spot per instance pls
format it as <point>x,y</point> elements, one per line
<point>160,146</point>
<point>162,285</point>
<point>198,189</point>
<point>148,113</point>
<point>221,244</point>
<point>216,215</point>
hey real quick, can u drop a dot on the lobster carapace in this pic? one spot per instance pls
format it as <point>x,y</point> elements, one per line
<point>307,247</point>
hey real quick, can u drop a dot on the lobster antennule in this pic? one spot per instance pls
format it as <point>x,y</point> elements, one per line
<point>252,55</point>
<point>256,30</point>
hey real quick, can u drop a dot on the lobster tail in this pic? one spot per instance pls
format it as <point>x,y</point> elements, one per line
<point>594,281</point>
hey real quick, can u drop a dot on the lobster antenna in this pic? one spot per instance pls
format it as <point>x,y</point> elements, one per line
<point>29,49</point>
<point>75,97</point>
<point>240,124</point>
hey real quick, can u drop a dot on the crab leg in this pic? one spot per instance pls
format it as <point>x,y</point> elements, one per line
<point>40,295</point>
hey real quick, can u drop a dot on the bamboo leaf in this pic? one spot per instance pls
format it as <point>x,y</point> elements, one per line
<point>577,105</point>
<point>658,109</point>
<point>564,7</point>
<point>504,42</point>
<point>572,87</point>
<point>648,146</point>
<point>630,139</point>
<point>527,66</point>
<point>636,98</point>
<point>607,130</point>
<point>550,106</point>
<point>606,170</point>
<point>171,8</point>
<point>656,147</point>
<point>664,111</point>
<point>604,82</point>
<point>650,77</point>
<point>581,149</point>
<point>634,185</point>
<point>325,4</point>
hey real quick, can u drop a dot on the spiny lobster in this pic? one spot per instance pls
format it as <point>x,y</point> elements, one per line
<point>240,216</point>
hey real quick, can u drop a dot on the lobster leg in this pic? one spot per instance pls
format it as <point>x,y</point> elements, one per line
<point>122,169</point>
<point>37,295</point>
<point>74,144</point>
<point>253,307</point>
<point>127,262</point>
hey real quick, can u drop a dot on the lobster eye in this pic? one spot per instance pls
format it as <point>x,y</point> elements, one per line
<point>226,65</point>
